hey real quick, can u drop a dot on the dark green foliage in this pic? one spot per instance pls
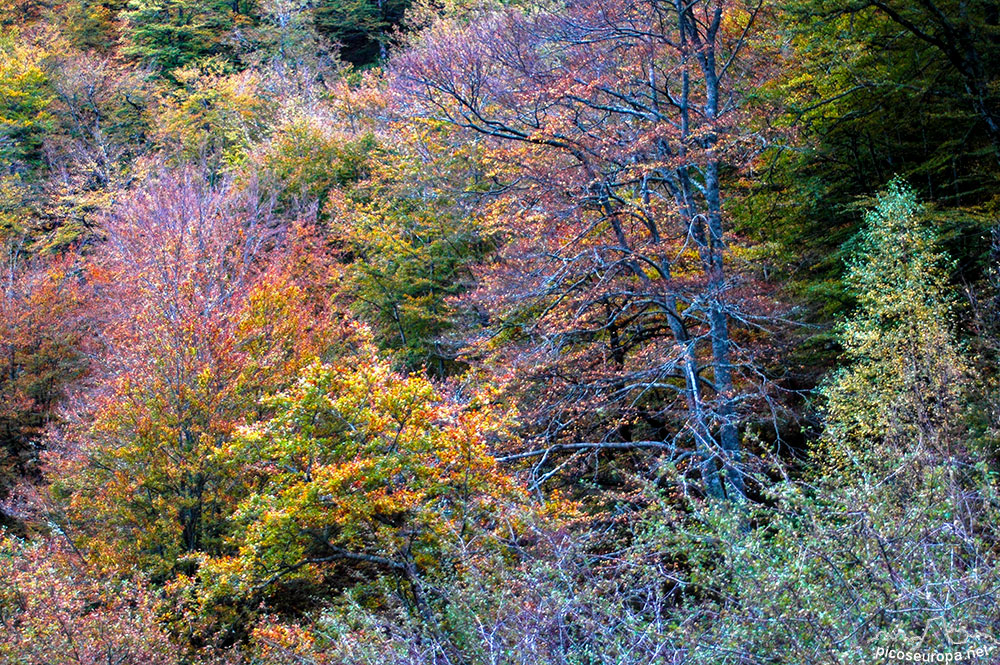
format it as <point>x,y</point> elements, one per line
<point>174,33</point>
<point>362,27</point>
<point>878,90</point>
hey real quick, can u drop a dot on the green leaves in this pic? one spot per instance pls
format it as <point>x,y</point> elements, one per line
<point>408,241</point>
<point>360,464</point>
<point>174,33</point>
<point>25,97</point>
<point>903,382</point>
<point>360,473</point>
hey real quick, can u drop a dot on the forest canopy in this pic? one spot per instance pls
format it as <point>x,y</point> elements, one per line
<point>397,332</point>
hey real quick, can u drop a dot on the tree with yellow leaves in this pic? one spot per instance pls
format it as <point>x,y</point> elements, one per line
<point>361,475</point>
<point>903,384</point>
<point>25,96</point>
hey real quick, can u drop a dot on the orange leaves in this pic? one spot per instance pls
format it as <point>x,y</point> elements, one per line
<point>42,333</point>
<point>608,141</point>
<point>204,313</point>
<point>365,465</point>
<point>57,610</point>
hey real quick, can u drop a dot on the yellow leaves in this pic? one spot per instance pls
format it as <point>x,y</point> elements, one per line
<point>25,95</point>
<point>372,458</point>
<point>192,344</point>
<point>903,362</point>
<point>212,110</point>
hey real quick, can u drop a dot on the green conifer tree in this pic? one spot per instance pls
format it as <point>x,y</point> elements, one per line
<point>174,33</point>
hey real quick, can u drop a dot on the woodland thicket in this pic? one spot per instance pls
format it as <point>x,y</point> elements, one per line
<point>499,332</point>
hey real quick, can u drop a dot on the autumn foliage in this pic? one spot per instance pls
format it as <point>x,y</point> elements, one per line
<point>401,332</point>
<point>201,316</point>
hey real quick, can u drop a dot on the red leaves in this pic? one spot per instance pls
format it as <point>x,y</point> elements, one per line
<point>57,610</point>
<point>206,305</point>
<point>43,327</point>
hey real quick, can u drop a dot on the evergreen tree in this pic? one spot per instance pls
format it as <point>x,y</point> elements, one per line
<point>361,27</point>
<point>173,33</point>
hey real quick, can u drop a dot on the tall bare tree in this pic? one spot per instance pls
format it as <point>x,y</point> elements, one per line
<point>608,129</point>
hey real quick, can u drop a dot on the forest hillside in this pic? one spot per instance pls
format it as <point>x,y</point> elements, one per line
<point>499,332</point>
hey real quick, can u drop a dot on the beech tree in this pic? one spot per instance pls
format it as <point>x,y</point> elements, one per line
<point>46,590</point>
<point>101,108</point>
<point>211,117</point>
<point>498,340</point>
<point>42,326</point>
<point>612,126</point>
<point>360,473</point>
<point>408,236</point>
<point>25,96</point>
<point>200,317</point>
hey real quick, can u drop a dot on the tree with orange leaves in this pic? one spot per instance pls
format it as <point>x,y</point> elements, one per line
<point>202,313</point>
<point>360,474</point>
<point>54,611</point>
<point>42,326</point>
<point>610,128</point>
